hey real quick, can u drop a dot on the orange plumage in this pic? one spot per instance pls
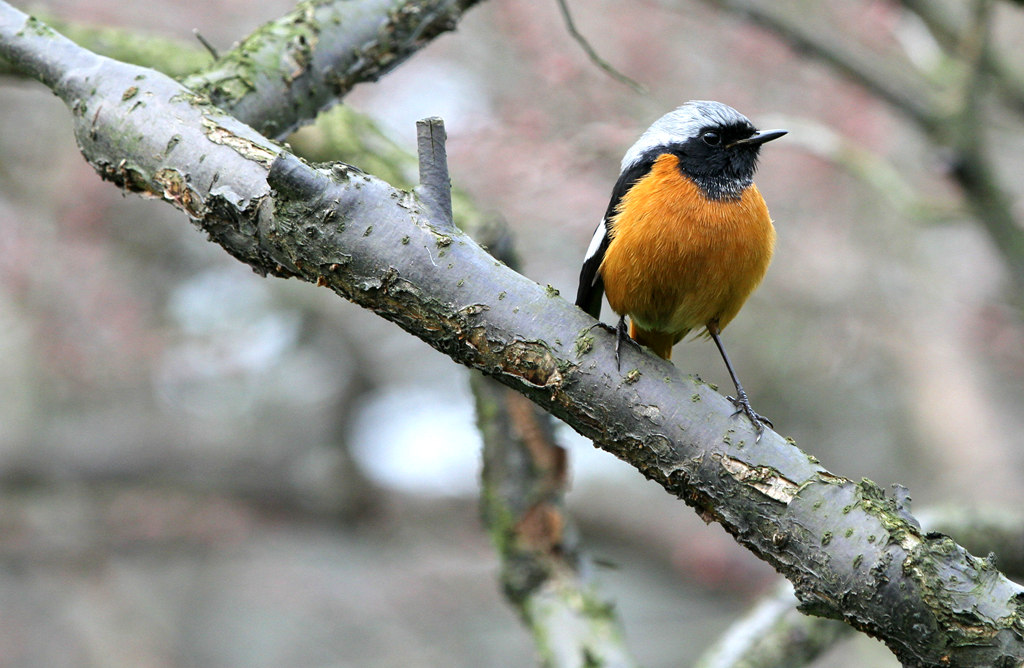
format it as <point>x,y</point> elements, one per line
<point>677,261</point>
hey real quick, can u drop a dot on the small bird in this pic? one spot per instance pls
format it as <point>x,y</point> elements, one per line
<point>687,236</point>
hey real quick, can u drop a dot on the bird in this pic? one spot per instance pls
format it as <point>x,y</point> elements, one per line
<point>686,237</point>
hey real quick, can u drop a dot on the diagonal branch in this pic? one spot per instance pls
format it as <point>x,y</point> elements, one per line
<point>595,57</point>
<point>773,634</point>
<point>808,31</point>
<point>292,68</point>
<point>546,575</point>
<point>851,552</point>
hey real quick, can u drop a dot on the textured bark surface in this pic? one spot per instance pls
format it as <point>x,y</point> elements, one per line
<point>851,552</point>
<point>310,58</point>
<point>773,634</point>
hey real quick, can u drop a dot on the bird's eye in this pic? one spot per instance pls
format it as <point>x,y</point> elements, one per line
<point>711,138</point>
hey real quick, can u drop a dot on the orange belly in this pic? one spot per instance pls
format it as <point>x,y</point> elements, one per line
<point>678,261</point>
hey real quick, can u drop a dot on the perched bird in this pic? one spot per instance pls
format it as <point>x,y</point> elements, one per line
<point>687,236</point>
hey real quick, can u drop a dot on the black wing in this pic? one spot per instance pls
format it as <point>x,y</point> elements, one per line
<point>588,295</point>
<point>591,289</point>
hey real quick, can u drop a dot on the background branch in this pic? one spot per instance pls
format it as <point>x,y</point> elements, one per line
<point>948,32</point>
<point>595,57</point>
<point>774,634</point>
<point>807,30</point>
<point>958,127</point>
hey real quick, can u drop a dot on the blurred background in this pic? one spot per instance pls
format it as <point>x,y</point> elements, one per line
<point>201,467</point>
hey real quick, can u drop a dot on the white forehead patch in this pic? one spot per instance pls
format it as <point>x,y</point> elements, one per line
<point>683,123</point>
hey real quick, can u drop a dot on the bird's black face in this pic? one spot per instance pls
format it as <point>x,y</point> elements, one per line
<point>721,159</point>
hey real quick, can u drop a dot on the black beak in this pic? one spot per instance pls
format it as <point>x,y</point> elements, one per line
<point>759,138</point>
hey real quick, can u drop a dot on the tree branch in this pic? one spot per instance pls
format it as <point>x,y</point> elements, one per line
<point>807,31</point>
<point>595,57</point>
<point>292,68</point>
<point>172,57</point>
<point>544,574</point>
<point>851,553</point>
<point>947,31</point>
<point>774,634</point>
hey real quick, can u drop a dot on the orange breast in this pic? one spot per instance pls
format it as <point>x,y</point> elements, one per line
<point>677,260</point>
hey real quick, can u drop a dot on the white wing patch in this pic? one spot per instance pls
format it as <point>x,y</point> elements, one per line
<point>595,244</point>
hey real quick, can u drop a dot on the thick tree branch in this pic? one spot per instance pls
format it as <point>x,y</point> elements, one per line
<point>171,57</point>
<point>774,634</point>
<point>290,69</point>
<point>851,553</point>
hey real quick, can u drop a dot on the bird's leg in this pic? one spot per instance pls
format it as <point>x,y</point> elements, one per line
<point>620,333</point>
<point>741,402</point>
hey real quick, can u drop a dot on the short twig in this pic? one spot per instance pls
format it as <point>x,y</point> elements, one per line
<point>435,187</point>
<point>209,47</point>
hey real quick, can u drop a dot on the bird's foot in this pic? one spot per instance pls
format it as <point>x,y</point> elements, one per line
<point>742,405</point>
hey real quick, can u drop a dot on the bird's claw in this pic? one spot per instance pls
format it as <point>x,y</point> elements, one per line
<point>742,405</point>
